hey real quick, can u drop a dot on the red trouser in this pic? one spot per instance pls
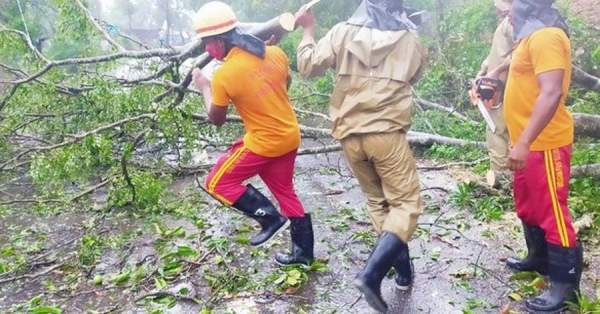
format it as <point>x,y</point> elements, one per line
<point>225,180</point>
<point>541,191</point>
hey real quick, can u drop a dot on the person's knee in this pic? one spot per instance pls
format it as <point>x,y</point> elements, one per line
<point>526,217</point>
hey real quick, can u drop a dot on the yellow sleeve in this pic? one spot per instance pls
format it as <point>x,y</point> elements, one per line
<point>315,58</point>
<point>548,50</point>
<point>220,95</point>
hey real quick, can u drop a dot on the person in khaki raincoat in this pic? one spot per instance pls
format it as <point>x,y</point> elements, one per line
<point>495,65</point>
<point>377,56</point>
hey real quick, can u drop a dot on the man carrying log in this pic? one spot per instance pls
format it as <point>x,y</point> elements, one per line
<point>377,56</point>
<point>492,66</point>
<point>541,134</point>
<point>254,77</point>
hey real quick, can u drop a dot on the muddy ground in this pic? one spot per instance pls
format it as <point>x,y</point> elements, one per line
<point>458,259</point>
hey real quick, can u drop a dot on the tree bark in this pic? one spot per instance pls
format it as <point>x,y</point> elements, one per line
<point>502,180</point>
<point>586,80</point>
<point>587,125</point>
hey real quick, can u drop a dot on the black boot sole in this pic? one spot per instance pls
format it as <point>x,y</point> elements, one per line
<point>294,263</point>
<point>283,227</point>
<point>372,298</point>
<point>561,310</point>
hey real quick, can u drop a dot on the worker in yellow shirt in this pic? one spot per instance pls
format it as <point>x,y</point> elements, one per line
<point>541,137</point>
<point>254,77</point>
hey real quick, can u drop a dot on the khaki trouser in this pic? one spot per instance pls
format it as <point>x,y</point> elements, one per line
<point>386,171</point>
<point>498,142</point>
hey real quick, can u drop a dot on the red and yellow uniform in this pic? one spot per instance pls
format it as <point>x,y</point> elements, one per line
<point>257,89</point>
<point>541,189</point>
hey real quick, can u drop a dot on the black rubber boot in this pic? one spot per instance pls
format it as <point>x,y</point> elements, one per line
<point>404,270</point>
<point>302,243</point>
<point>255,205</point>
<point>564,269</point>
<point>537,252</point>
<point>383,256</point>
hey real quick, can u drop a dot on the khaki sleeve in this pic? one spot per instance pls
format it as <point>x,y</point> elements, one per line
<point>424,62</point>
<point>315,58</point>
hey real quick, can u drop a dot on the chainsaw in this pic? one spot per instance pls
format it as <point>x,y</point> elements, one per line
<point>485,94</point>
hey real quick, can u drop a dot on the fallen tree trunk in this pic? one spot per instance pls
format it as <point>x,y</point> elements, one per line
<point>585,79</point>
<point>502,180</point>
<point>451,111</point>
<point>277,27</point>
<point>587,125</point>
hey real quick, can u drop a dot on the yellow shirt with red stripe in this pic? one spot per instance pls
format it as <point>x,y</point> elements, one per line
<point>257,89</point>
<point>545,50</point>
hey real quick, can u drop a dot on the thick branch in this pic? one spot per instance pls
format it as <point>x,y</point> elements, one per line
<point>587,125</point>
<point>586,80</point>
<point>435,106</point>
<point>76,138</point>
<point>498,179</point>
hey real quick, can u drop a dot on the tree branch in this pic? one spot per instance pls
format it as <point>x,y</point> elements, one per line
<point>99,28</point>
<point>76,138</point>
<point>585,79</point>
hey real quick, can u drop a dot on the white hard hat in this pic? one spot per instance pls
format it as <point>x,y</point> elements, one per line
<point>214,18</point>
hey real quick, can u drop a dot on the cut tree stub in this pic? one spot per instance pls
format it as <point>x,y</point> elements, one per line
<point>287,21</point>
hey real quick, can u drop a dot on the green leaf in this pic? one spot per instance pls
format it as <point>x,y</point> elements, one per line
<point>186,251</point>
<point>177,232</point>
<point>98,279</point>
<point>184,291</point>
<point>121,278</point>
<point>435,253</point>
<point>47,310</point>
<point>515,296</point>
<point>35,300</point>
<point>281,279</point>
<point>160,283</point>
<point>157,229</point>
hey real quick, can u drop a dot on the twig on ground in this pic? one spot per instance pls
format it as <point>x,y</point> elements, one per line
<point>477,261</point>
<point>450,229</point>
<point>454,164</point>
<point>163,294</point>
<point>495,276</point>
<point>33,276</point>
<point>91,189</point>
<point>435,188</point>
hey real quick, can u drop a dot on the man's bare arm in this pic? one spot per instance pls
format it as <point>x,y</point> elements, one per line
<point>216,114</point>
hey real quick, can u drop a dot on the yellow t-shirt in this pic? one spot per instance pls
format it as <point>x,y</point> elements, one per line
<point>257,88</point>
<point>545,50</point>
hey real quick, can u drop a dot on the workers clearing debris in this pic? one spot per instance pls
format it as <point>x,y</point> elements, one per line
<point>377,56</point>
<point>254,77</point>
